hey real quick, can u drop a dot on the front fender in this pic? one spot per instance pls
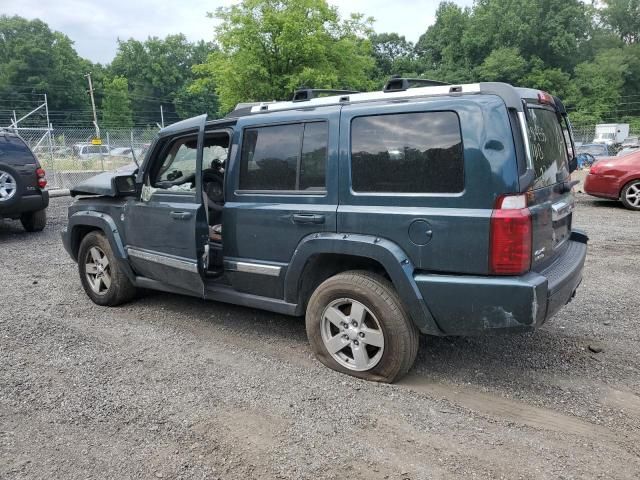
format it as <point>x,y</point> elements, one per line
<point>388,254</point>
<point>102,222</point>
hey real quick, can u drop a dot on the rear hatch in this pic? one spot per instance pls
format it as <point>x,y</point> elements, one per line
<point>550,199</point>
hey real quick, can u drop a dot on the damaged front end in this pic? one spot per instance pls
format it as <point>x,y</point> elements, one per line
<point>119,183</point>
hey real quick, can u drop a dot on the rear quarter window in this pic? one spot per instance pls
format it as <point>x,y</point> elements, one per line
<point>407,153</point>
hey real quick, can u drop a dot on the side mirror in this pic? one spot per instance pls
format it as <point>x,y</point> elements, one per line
<point>124,185</point>
<point>573,164</point>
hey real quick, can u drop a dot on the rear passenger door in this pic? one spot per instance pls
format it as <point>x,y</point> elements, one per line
<point>281,187</point>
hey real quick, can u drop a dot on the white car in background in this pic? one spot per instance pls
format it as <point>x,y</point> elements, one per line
<point>87,151</point>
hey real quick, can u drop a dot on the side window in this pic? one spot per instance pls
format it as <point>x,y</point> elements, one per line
<point>314,156</point>
<point>177,166</point>
<point>407,153</point>
<point>284,157</point>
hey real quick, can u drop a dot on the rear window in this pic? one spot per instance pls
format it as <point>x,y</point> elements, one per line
<point>15,150</point>
<point>407,153</point>
<point>549,151</point>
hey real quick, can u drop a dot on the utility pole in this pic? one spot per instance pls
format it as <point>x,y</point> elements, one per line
<point>93,106</point>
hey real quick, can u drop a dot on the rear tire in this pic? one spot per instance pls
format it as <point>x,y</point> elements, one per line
<point>630,196</point>
<point>100,273</point>
<point>351,309</point>
<point>34,221</point>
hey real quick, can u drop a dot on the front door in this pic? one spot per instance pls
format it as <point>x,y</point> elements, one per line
<point>166,228</point>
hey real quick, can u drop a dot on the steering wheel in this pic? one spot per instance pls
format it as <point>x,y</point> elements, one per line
<point>214,188</point>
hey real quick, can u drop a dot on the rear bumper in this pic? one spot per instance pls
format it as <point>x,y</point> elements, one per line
<point>26,204</point>
<point>469,305</point>
<point>601,186</point>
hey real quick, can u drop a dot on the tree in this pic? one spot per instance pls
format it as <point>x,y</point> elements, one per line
<point>440,49</point>
<point>116,106</point>
<point>268,48</point>
<point>503,65</point>
<point>623,16</point>
<point>551,30</point>
<point>159,71</point>
<point>394,55</point>
<point>36,60</point>
<point>599,87</point>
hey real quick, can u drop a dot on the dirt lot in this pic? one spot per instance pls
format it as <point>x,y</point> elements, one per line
<point>171,387</point>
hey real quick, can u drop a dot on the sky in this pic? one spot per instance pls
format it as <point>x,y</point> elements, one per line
<point>95,25</point>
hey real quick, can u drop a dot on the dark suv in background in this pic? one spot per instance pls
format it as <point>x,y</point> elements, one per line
<point>440,209</point>
<point>22,183</point>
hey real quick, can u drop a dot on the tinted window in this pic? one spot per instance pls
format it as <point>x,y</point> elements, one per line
<point>284,157</point>
<point>548,147</point>
<point>314,156</point>
<point>14,150</point>
<point>407,153</point>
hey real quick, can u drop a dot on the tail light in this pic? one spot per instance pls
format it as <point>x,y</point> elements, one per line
<point>595,169</point>
<point>546,99</point>
<point>42,177</point>
<point>510,236</point>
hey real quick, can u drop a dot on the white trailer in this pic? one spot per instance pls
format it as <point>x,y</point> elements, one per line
<point>611,133</point>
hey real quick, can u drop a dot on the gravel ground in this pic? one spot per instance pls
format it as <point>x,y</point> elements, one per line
<point>173,387</point>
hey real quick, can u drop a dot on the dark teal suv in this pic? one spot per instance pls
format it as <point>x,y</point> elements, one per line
<point>429,208</point>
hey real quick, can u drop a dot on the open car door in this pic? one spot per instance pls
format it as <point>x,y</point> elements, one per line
<point>166,226</point>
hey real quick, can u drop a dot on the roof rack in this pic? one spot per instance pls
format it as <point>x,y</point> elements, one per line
<point>399,84</point>
<point>303,94</point>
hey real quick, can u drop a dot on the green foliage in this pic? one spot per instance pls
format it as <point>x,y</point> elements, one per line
<point>440,49</point>
<point>268,48</point>
<point>34,59</point>
<point>394,55</point>
<point>503,65</point>
<point>623,17</point>
<point>159,71</point>
<point>116,106</point>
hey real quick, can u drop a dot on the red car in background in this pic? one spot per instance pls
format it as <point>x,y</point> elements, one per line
<point>616,178</point>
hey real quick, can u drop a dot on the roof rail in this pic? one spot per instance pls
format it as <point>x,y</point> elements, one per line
<point>398,84</point>
<point>303,94</point>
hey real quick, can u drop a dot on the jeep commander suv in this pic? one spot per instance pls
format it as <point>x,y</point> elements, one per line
<point>422,208</point>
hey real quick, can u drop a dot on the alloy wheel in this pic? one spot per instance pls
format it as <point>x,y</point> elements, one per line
<point>633,195</point>
<point>8,186</point>
<point>352,335</point>
<point>97,270</point>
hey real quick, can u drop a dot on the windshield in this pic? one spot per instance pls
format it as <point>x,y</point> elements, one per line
<point>595,150</point>
<point>548,147</point>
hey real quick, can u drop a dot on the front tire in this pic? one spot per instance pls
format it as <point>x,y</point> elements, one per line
<point>630,195</point>
<point>356,324</point>
<point>102,278</point>
<point>34,221</point>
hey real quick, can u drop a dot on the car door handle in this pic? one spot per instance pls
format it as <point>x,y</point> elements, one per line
<point>181,215</point>
<point>307,218</point>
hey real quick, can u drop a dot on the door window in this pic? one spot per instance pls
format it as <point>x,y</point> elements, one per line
<point>177,171</point>
<point>284,158</point>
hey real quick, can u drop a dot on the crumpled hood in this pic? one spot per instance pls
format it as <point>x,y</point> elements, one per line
<point>103,184</point>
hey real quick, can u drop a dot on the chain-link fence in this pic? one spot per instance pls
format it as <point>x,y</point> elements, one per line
<point>69,157</point>
<point>586,133</point>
